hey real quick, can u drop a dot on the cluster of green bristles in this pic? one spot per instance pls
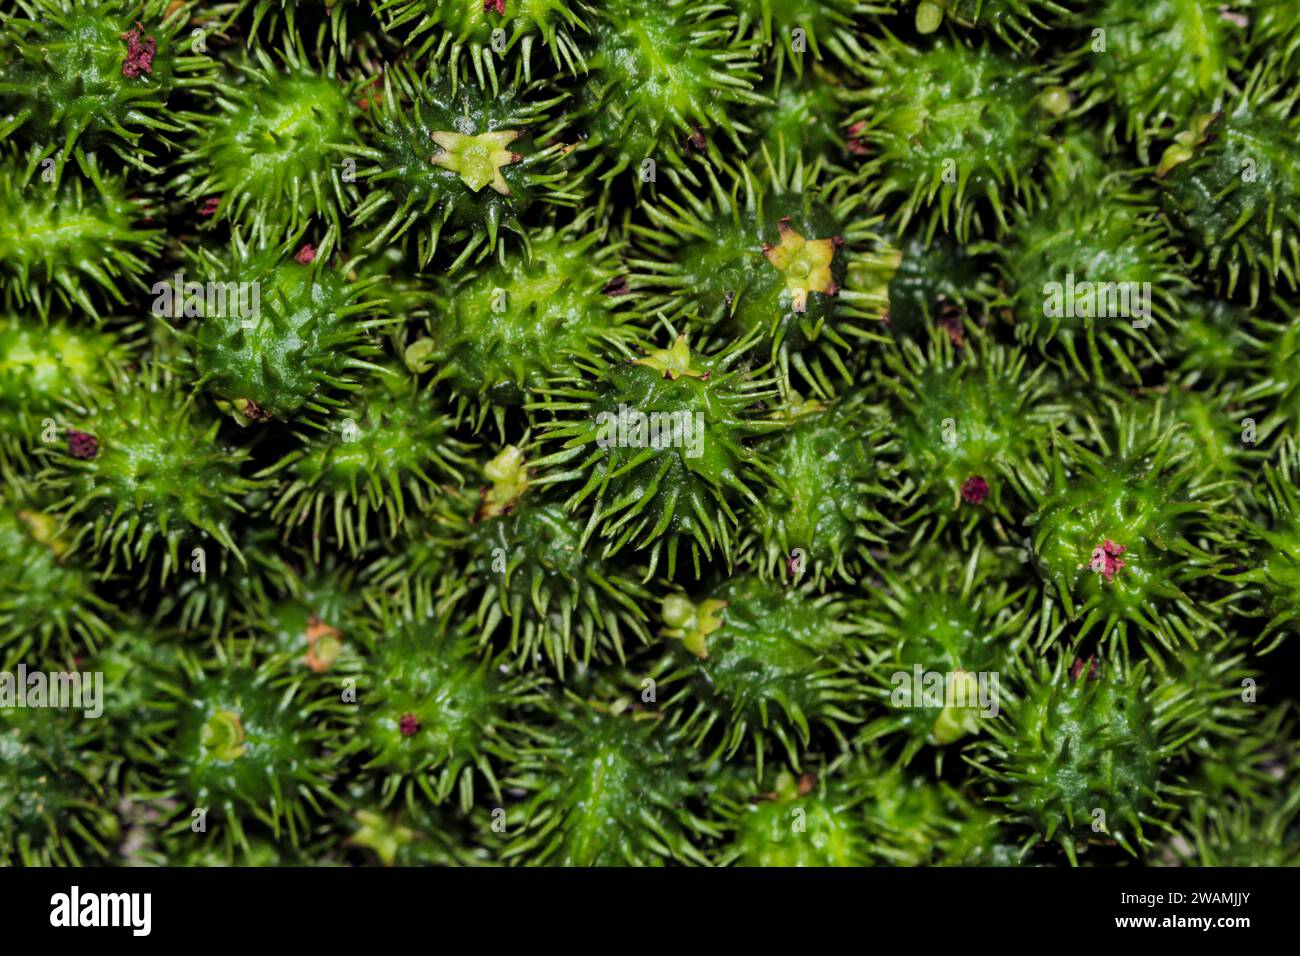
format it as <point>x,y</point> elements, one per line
<point>564,432</point>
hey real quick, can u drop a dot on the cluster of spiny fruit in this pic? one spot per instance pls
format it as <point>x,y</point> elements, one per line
<point>586,432</point>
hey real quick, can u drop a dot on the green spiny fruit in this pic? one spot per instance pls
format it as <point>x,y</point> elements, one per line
<point>1086,754</point>
<point>52,787</point>
<point>1092,265</point>
<point>274,153</point>
<point>1117,537</point>
<point>458,30</point>
<point>671,71</point>
<point>97,72</point>
<point>44,596</point>
<point>808,820</point>
<point>1231,188</point>
<point>530,573</point>
<point>47,371</point>
<point>380,459</point>
<point>59,241</point>
<point>1011,21</point>
<point>1120,535</point>
<point>506,329</point>
<point>762,258</point>
<point>456,165</point>
<point>948,622</point>
<point>244,742</point>
<point>278,332</point>
<point>950,128</point>
<point>313,618</point>
<point>759,661</point>
<point>656,483</point>
<point>433,717</point>
<point>146,472</point>
<point>966,423</point>
<point>1155,64</point>
<point>605,787</point>
<point>823,506</point>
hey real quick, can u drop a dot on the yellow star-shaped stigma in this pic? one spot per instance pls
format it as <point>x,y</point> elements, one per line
<point>673,362</point>
<point>478,160</point>
<point>805,263</point>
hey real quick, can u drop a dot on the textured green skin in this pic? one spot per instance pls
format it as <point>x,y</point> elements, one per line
<point>43,598</point>
<point>657,72</point>
<point>776,666</point>
<point>825,483</point>
<point>160,472</point>
<point>71,64</point>
<point>946,102</point>
<point>273,152</point>
<point>404,191</point>
<point>606,791</point>
<point>59,241</point>
<point>1164,61</point>
<point>555,314</point>
<point>51,806</point>
<point>309,340</point>
<point>1071,746</point>
<point>1248,229</point>
<point>724,282</point>
<point>45,370</point>
<point>458,699</point>
<point>387,453</point>
<point>666,496</point>
<point>556,598</point>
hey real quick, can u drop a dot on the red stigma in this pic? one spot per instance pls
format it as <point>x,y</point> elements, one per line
<point>1105,559</point>
<point>139,52</point>
<point>856,144</point>
<point>82,445</point>
<point>408,725</point>
<point>209,206</point>
<point>494,6</point>
<point>975,490</point>
<point>306,254</point>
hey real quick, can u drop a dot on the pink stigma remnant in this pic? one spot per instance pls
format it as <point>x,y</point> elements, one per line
<point>408,725</point>
<point>1105,558</point>
<point>494,6</point>
<point>975,490</point>
<point>82,445</point>
<point>139,52</point>
<point>306,254</point>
